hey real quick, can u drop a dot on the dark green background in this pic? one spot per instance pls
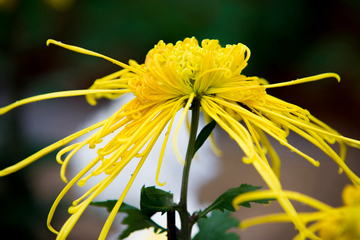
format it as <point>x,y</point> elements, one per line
<point>288,40</point>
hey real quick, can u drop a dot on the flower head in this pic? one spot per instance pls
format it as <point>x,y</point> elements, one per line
<point>171,79</point>
<point>147,234</point>
<point>342,223</point>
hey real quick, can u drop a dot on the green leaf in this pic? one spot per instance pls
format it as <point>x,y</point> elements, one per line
<point>135,219</point>
<point>224,202</point>
<point>203,135</point>
<point>215,227</point>
<point>155,200</point>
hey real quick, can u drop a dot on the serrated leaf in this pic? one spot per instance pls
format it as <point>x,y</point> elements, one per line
<point>203,135</point>
<point>155,200</point>
<point>224,202</point>
<point>216,226</point>
<point>135,219</point>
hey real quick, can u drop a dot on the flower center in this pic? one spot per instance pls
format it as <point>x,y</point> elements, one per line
<point>175,71</point>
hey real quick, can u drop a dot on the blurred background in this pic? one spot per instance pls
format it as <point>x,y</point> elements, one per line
<point>288,40</point>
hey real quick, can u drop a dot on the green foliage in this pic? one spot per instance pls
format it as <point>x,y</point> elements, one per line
<point>203,135</point>
<point>216,226</point>
<point>135,219</point>
<point>224,202</point>
<point>154,200</point>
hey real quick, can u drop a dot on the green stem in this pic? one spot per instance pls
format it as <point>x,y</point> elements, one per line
<point>185,218</point>
<point>171,227</point>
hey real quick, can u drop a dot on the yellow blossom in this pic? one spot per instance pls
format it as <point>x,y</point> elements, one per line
<point>172,77</point>
<point>342,223</point>
<point>147,234</point>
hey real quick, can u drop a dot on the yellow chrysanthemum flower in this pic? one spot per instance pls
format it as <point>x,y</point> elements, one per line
<point>147,234</point>
<point>171,79</point>
<point>342,223</point>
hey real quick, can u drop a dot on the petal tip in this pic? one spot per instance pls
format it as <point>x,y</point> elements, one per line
<point>50,41</point>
